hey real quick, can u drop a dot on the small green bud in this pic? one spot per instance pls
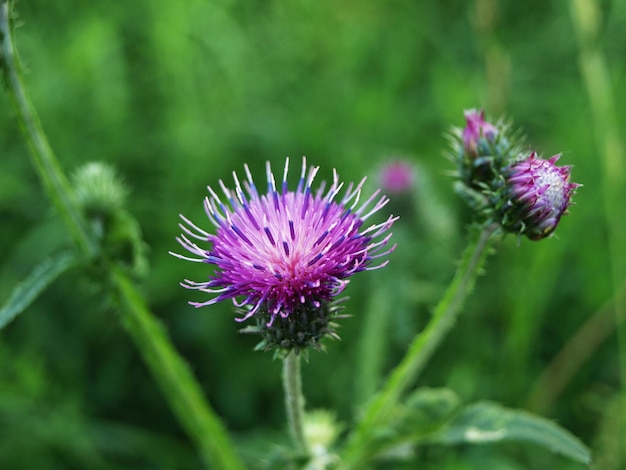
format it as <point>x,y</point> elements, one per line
<point>98,189</point>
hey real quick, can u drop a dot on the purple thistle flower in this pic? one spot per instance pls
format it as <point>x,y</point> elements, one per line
<point>397,176</point>
<point>538,195</point>
<point>285,252</point>
<point>475,129</point>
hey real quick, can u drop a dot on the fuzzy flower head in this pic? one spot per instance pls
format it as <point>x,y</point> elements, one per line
<point>537,194</point>
<point>283,256</point>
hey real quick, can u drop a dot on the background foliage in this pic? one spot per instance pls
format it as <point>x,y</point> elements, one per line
<point>177,95</point>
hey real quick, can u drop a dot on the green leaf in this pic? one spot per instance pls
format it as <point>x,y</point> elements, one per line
<point>427,409</point>
<point>27,291</point>
<point>423,413</point>
<point>487,422</point>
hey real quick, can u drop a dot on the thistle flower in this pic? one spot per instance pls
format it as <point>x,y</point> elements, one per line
<point>536,194</point>
<point>397,176</point>
<point>286,255</point>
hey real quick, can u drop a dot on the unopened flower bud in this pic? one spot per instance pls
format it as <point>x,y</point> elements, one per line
<point>481,150</point>
<point>477,133</point>
<point>99,190</point>
<point>536,194</point>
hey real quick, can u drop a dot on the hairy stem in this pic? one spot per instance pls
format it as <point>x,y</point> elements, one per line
<point>421,349</point>
<point>294,400</point>
<point>170,371</point>
<point>45,162</point>
<point>180,387</point>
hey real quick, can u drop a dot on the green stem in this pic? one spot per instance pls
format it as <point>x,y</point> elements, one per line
<point>44,160</point>
<point>294,399</point>
<point>174,377</point>
<point>171,372</point>
<point>420,350</point>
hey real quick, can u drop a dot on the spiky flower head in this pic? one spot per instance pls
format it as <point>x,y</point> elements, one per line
<point>536,194</point>
<point>285,256</point>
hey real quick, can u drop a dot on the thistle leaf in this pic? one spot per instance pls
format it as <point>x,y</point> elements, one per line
<point>28,290</point>
<point>487,422</point>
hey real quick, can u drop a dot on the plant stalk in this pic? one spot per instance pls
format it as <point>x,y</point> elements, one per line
<point>45,162</point>
<point>180,387</point>
<point>170,371</point>
<point>421,349</point>
<point>294,399</point>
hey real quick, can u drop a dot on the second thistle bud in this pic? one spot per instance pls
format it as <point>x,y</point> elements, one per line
<point>478,134</point>
<point>535,196</point>
<point>484,149</point>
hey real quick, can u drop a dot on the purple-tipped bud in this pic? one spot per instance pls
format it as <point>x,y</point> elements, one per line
<point>475,130</point>
<point>397,177</point>
<point>538,193</point>
<point>482,150</point>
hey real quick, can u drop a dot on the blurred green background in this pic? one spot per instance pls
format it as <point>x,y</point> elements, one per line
<point>177,95</point>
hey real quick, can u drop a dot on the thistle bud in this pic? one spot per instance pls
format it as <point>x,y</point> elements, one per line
<point>101,195</point>
<point>99,190</point>
<point>481,150</point>
<point>478,134</point>
<point>535,196</point>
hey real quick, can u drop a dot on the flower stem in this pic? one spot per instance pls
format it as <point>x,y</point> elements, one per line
<point>421,349</point>
<point>45,162</point>
<point>168,368</point>
<point>294,400</point>
<point>174,377</point>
